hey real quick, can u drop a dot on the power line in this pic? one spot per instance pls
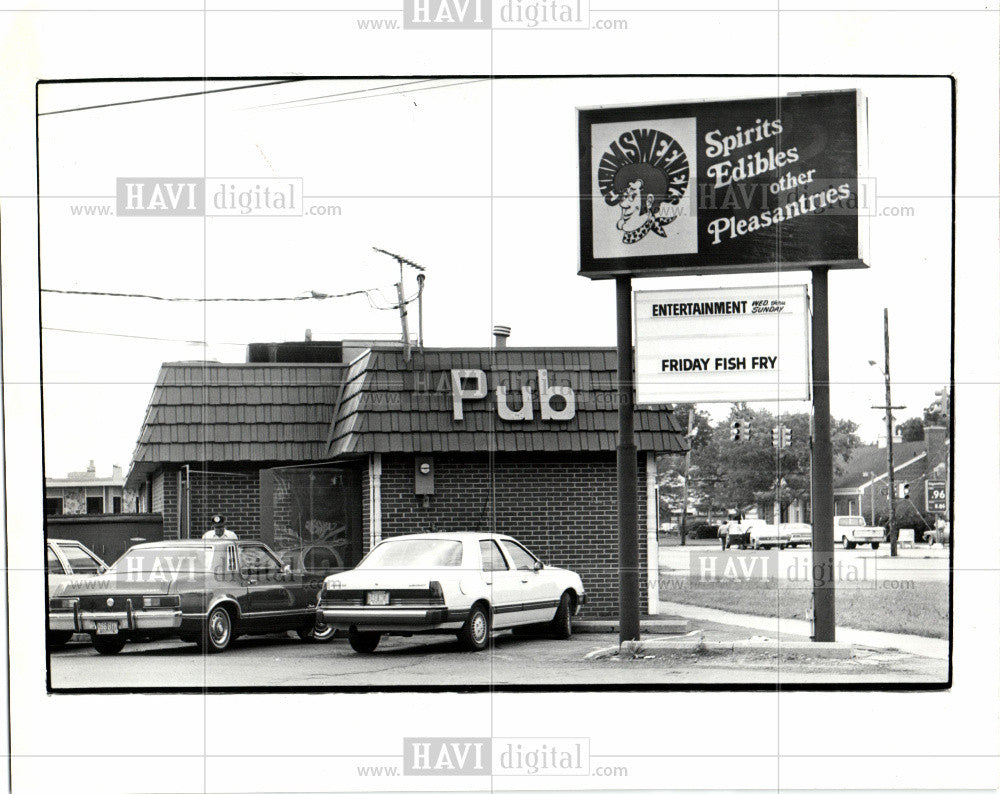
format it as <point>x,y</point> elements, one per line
<point>171,96</point>
<point>342,93</point>
<point>389,93</point>
<point>136,336</point>
<point>312,295</point>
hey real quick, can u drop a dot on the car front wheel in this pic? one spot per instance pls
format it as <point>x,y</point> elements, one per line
<point>109,645</point>
<point>363,641</point>
<point>562,623</point>
<point>322,633</point>
<point>475,634</point>
<point>874,546</point>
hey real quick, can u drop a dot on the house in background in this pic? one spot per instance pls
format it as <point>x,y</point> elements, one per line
<point>863,487</point>
<point>84,493</point>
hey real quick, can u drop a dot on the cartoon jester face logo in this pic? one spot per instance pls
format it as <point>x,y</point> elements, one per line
<point>645,173</point>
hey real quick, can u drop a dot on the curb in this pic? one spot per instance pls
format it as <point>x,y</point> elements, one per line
<point>662,626</point>
<point>697,644</point>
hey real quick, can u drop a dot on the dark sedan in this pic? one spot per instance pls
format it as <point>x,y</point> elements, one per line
<point>203,591</point>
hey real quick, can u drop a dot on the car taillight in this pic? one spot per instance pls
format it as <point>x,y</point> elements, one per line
<point>63,603</point>
<point>160,602</point>
<point>436,592</point>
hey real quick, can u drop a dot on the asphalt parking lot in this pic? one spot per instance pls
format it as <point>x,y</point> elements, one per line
<point>286,661</point>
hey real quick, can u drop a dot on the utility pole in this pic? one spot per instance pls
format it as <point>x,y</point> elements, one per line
<point>687,466</point>
<point>403,321</point>
<point>889,408</point>
<point>402,260</point>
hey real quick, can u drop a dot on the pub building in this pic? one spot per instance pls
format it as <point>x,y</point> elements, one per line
<point>322,449</point>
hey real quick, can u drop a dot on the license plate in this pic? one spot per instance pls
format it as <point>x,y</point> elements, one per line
<point>377,598</point>
<point>107,627</point>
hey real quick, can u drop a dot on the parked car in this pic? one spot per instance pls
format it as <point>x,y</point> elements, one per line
<point>737,532</point>
<point>203,591</point>
<point>462,583</point>
<point>798,534</point>
<point>67,560</point>
<point>940,534</point>
<point>852,530</point>
<point>764,535</point>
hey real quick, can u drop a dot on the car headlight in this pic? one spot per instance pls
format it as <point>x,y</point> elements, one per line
<point>160,602</point>
<point>63,603</point>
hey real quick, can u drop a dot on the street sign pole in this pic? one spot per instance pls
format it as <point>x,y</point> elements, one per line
<point>628,518</point>
<point>822,465</point>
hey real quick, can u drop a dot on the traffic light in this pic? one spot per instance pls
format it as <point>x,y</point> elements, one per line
<point>781,436</point>
<point>739,430</point>
<point>903,490</point>
<point>943,402</point>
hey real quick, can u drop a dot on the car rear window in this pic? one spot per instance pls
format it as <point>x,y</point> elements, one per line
<point>163,563</point>
<point>415,553</point>
<point>79,560</point>
<point>851,521</point>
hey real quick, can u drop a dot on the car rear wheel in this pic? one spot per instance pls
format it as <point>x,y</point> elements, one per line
<point>57,638</point>
<point>363,641</point>
<point>475,634</point>
<point>562,623</point>
<point>847,543</point>
<point>874,546</point>
<point>217,632</point>
<point>109,645</point>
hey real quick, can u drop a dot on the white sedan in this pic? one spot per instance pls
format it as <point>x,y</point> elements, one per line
<point>462,583</point>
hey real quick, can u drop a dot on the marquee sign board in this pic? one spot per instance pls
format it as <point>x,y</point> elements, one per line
<point>746,185</point>
<point>722,345</point>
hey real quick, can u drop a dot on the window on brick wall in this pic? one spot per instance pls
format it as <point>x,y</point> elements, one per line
<point>95,504</point>
<point>53,506</point>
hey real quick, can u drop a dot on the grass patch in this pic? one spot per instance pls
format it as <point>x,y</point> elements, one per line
<point>911,608</point>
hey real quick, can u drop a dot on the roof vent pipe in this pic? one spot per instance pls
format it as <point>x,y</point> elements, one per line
<point>500,334</point>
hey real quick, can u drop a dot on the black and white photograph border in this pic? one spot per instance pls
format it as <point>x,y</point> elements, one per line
<point>498,297</point>
<point>287,404</point>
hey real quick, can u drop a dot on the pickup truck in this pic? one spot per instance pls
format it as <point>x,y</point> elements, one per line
<point>852,530</point>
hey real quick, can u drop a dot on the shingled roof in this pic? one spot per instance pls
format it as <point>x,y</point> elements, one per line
<point>874,459</point>
<point>210,412</point>
<point>389,405</point>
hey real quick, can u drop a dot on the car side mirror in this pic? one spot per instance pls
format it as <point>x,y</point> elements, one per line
<point>538,565</point>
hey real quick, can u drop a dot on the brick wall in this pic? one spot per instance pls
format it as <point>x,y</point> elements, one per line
<point>236,496</point>
<point>564,510</point>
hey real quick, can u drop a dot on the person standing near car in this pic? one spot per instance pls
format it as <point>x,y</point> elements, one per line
<point>218,530</point>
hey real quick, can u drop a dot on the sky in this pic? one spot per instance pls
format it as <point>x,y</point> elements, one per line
<point>475,180</point>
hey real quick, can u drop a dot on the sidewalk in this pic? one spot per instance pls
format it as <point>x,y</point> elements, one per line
<point>908,643</point>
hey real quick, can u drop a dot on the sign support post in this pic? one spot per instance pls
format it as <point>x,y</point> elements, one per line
<point>628,516</point>
<point>822,465</point>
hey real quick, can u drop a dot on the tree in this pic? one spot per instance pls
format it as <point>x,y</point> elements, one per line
<point>670,468</point>
<point>745,469</point>
<point>912,429</point>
